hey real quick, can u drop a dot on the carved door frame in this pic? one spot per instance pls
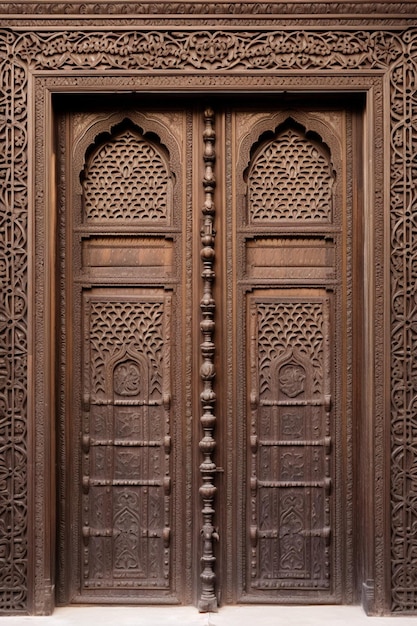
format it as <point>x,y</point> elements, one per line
<point>44,53</point>
<point>46,89</point>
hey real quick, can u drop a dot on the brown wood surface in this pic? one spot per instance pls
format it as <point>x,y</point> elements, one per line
<point>283,317</point>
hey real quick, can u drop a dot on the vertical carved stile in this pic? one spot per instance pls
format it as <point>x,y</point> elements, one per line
<point>208,601</point>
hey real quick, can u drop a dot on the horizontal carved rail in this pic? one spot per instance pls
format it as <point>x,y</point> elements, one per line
<point>125,482</point>
<point>88,531</point>
<point>326,442</point>
<point>324,402</point>
<point>276,532</point>
<point>118,402</point>
<point>277,484</point>
<point>131,443</point>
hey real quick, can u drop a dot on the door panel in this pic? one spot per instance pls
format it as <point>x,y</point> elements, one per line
<point>290,477</point>
<point>126,441</point>
<point>292,306</point>
<point>126,359</point>
<point>121,251</point>
<point>139,188</point>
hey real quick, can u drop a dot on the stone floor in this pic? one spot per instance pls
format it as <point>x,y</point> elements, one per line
<point>227,616</point>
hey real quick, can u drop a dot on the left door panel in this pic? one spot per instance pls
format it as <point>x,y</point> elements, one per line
<point>121,414</point>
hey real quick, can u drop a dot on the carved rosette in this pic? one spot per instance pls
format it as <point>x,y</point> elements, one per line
<point>208,600</point>
<point>22,52</point>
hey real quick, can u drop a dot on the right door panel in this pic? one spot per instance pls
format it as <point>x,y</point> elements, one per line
<point>292,212</point>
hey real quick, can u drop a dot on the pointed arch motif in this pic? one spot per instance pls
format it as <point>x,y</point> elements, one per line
<point>290,178</point>
<point>126,178</point>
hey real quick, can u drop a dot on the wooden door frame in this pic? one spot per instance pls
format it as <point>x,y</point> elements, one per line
<point>374,545</point>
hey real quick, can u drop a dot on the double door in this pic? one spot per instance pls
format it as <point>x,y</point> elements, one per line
<point>205,328</point>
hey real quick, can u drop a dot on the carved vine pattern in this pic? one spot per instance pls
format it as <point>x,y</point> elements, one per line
<point>210,50</point>
<point>403,334</point>
<point>202,50</point>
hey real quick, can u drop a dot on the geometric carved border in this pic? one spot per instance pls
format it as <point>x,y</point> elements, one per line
<point>23,53</point>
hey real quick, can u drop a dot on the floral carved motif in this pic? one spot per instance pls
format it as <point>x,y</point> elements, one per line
<point>211,50</point>
<point>20,53</point>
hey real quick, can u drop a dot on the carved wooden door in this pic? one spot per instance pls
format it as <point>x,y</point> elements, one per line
<point>122,490</point>
<point>292,339</point>
<point>269,407</point>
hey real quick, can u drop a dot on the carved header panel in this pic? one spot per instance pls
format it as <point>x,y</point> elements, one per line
<point>209,50</point>
<point>314,52</point>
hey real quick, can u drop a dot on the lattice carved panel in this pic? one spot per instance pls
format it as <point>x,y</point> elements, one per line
<point>290,179</point>
<point>290,328</point>
<point>126,444</point>
<point>290,527</point>
<point>127,179</point>
<point>138,326</point>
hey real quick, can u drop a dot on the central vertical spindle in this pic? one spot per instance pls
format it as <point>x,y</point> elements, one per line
<point>208,600</point>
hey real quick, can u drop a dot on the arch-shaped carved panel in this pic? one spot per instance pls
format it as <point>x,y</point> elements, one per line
<point>127,178</point>
<point>290,178</point>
